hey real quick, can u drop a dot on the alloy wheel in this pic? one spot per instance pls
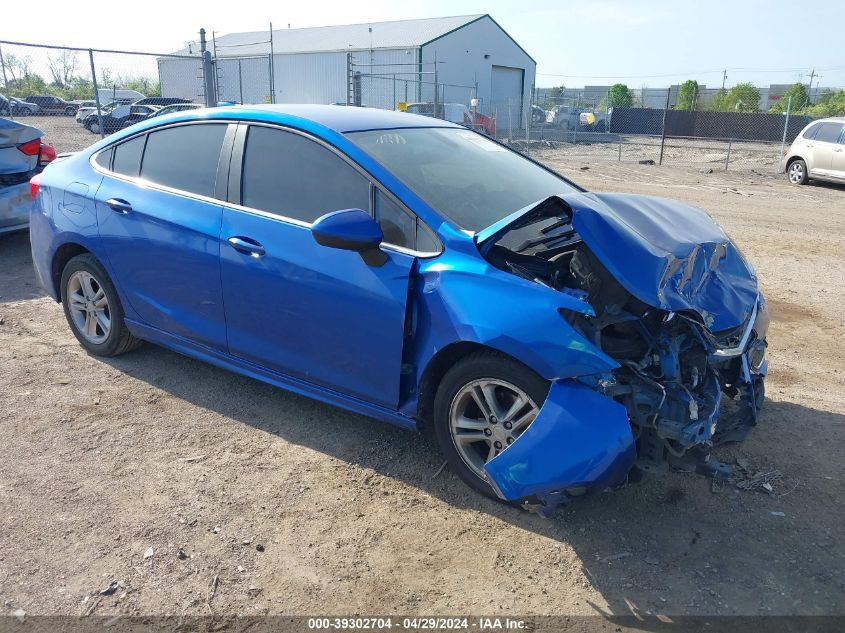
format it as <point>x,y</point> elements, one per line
<point>796,173</point>
<point>89,307</point>
<point>485,417</point>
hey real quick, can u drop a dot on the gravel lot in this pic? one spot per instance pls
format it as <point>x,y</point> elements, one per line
<point>300,508</point>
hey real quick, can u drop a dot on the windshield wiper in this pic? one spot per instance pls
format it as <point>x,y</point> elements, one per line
<point>546,238</point>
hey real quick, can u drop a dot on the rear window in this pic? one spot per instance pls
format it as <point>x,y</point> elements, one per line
<point>828,132</point>
<point>810,132</point>
<point>184,157</point>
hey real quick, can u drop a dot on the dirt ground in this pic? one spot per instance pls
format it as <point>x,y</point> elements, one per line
<point>110,468</point>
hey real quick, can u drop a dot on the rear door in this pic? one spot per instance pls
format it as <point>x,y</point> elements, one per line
<point>315,313</point>
<point>837,166</point>
<point>159,222</point>
<point>823,144</point>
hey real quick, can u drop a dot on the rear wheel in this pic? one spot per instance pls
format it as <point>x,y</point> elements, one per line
<point>797,172</point>
<point>483,404</point>
<point>94,127</point>
<point>93,309</point>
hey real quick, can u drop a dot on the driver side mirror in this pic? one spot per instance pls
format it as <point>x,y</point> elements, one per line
<point>351,230</point>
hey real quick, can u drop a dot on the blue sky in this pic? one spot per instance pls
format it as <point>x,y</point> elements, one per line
<point>639,42</point>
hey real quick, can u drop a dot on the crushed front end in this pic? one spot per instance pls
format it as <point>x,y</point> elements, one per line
<point>675,305</point>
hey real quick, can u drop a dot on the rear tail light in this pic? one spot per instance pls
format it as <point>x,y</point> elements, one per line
<point>31,148</point>
<point>48,154</point>
<point>34,183</point>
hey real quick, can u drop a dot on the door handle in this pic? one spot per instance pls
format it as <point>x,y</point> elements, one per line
<point>838,149</point>
<point>247,246</point>
<point>118,205</point>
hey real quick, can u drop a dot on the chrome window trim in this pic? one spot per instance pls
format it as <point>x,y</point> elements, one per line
<point>373,181</point>
<point>148,184</point>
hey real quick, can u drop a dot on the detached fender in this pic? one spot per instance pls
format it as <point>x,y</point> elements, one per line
<point>464,299</point>
<point>579,438</point>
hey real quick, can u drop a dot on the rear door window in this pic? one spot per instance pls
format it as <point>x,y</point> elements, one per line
<point>127,157</point>
<point>184,157</point>
<point>828,132</point>
<point>295,177</point>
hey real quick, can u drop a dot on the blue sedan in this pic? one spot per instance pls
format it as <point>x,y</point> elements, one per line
<point>556,341</point>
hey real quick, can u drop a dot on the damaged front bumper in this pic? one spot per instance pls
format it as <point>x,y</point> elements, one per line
<point>592,432</point>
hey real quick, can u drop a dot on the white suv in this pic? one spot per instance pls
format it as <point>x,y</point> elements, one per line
<point>818,152</point>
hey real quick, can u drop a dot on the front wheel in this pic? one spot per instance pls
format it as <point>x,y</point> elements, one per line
<point>93,309</point>
<point>94,127</point>
<point>797,172</point>
<point>483,404</point>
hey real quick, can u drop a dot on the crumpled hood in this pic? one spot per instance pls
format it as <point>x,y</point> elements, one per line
<point>667,254</point>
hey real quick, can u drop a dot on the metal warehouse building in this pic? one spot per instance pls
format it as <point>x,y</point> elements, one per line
<point>386,62</point>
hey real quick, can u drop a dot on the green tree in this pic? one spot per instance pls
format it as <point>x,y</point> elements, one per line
<point>741,98</point>
<point>830,104</point>
<point>620,96</point>
<point>800,99</point>
<point>687,95</point>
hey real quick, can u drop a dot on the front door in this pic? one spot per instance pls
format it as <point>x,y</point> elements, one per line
<point>315,313</point>
<point>160,226</point>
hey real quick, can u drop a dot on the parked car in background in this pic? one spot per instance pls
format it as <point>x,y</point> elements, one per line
<point>557,341</point>
<point>22,156</point>
<point>24,108</point>
<point>15,107</point>
<point>118,117</point>
<point>177,107</point>
<point>107,95</point>
<point>53,105</point>
<point>456,113</point>
<point>84,111</point>
<point>817,153</point>
<point>160,101</point>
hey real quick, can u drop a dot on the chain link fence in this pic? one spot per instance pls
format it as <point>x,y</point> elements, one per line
<point>84,93</point>
<point>654,128</point>
<point>76,95</point>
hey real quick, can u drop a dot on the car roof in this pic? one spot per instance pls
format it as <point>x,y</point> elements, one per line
<point>335,118</point>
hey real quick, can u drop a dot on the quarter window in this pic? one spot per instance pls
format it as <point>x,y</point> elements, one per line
<point>292,176</point>
<point>184,157</point>
<point>127,157</point>
<point>398,227</point>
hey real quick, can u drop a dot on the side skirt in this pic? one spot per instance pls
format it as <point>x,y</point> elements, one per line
<point>251,370</point>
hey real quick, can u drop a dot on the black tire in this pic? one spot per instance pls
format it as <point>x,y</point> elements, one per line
<point>69,111</point>
<point>119,339</point>
<point>796,172</point>
<point>479,365</point>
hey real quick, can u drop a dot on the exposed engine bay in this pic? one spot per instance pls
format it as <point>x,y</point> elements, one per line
<point>685,387</point>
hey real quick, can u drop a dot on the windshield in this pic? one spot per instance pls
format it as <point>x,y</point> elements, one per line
<point>466,177</point>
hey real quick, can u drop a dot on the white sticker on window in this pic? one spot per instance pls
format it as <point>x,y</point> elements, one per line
<point>480,141</point>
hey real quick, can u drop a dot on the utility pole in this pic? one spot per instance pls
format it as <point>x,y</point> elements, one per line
<point>724,77</point>
<point>810,87</point>
<point>272,67</point>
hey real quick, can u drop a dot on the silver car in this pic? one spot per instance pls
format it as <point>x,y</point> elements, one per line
<point>818,152</point>
<point>22,155</point>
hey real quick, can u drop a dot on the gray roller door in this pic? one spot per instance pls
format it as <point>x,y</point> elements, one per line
<point>506,94</point>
